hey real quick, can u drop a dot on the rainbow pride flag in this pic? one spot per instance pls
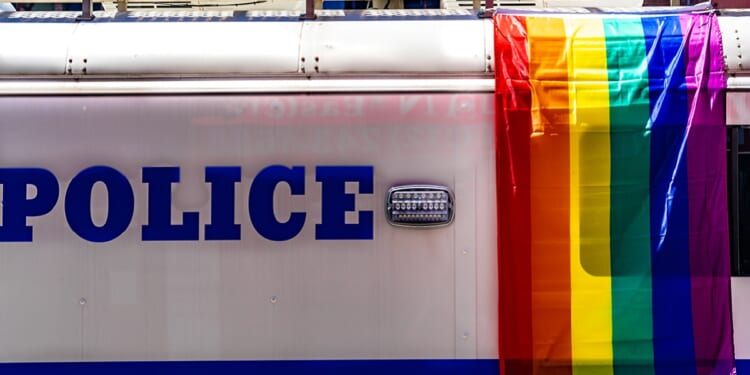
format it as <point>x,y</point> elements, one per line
<point>613,227</point>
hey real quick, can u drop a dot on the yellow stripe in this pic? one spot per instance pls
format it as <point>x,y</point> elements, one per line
<point>591,300</point>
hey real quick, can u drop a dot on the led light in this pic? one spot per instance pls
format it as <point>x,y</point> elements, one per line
<point>419,206</point>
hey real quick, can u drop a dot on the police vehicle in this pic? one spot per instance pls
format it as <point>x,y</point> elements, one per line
<point>249,191</point>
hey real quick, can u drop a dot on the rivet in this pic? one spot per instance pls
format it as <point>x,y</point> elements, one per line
<point>317,59</point>
<point>82,301</point>
<point>274,299</point>
<point>302,59</point>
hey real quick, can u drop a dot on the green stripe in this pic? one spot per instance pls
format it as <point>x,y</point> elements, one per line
<point>632,329</point>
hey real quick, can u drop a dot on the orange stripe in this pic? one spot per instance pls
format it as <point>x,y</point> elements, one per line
<point>550,196</point>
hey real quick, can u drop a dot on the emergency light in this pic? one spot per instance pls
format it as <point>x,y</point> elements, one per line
<point>419,206</point>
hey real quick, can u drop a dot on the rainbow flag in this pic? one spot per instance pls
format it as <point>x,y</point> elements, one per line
<point>613,225</point>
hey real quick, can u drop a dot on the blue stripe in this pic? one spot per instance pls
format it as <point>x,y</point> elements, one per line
<point>743,366</point>
<point>345,4</point>
<point>674,352</point>
<point>322,367</point>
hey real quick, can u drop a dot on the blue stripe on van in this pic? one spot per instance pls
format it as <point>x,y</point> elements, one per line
<point>308,367</point>
<point>743,366</point>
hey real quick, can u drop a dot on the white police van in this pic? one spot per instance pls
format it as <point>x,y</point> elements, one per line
<point>185,192</point>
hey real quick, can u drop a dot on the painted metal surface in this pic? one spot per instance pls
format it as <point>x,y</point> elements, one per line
<point>736,43</point>
<point>42,49</point>
<point>425,294</point>
<point>229,85</point>
<point>425,47</point>
<point>196,43</point>
<point>741,309</point>
<point>251,43</point>
<point>229,48</point>
<point>738,108</point>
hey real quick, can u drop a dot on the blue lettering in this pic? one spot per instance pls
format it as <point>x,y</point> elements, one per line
<point>120,203</point>
<point>261,202</point>
<point>160,227</point>
<point>222,180</point>
<point>336,202</point>
<point>16,206</point>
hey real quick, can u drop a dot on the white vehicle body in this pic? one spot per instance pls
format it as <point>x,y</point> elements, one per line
<point>408,94</point>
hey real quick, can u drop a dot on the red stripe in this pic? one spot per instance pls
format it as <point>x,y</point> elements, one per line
<point>512,132</point>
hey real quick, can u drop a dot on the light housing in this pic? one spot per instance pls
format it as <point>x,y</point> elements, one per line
<point>419,206</point>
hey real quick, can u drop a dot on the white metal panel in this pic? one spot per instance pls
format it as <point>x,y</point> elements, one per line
<point>404,294</point>
<point>185,48</point>
<point>738,108</point>
<point>738,82</point>
<point>736,43</point>
<point>465,255</point>
<point>29,48</point>
<point>486,261</point>
<point>262,86</point>
<point>489,45</point>
<point>450,46</point>
<point>740,312</point>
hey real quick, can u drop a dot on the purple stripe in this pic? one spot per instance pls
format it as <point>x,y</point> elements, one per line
<point>707,191</point>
